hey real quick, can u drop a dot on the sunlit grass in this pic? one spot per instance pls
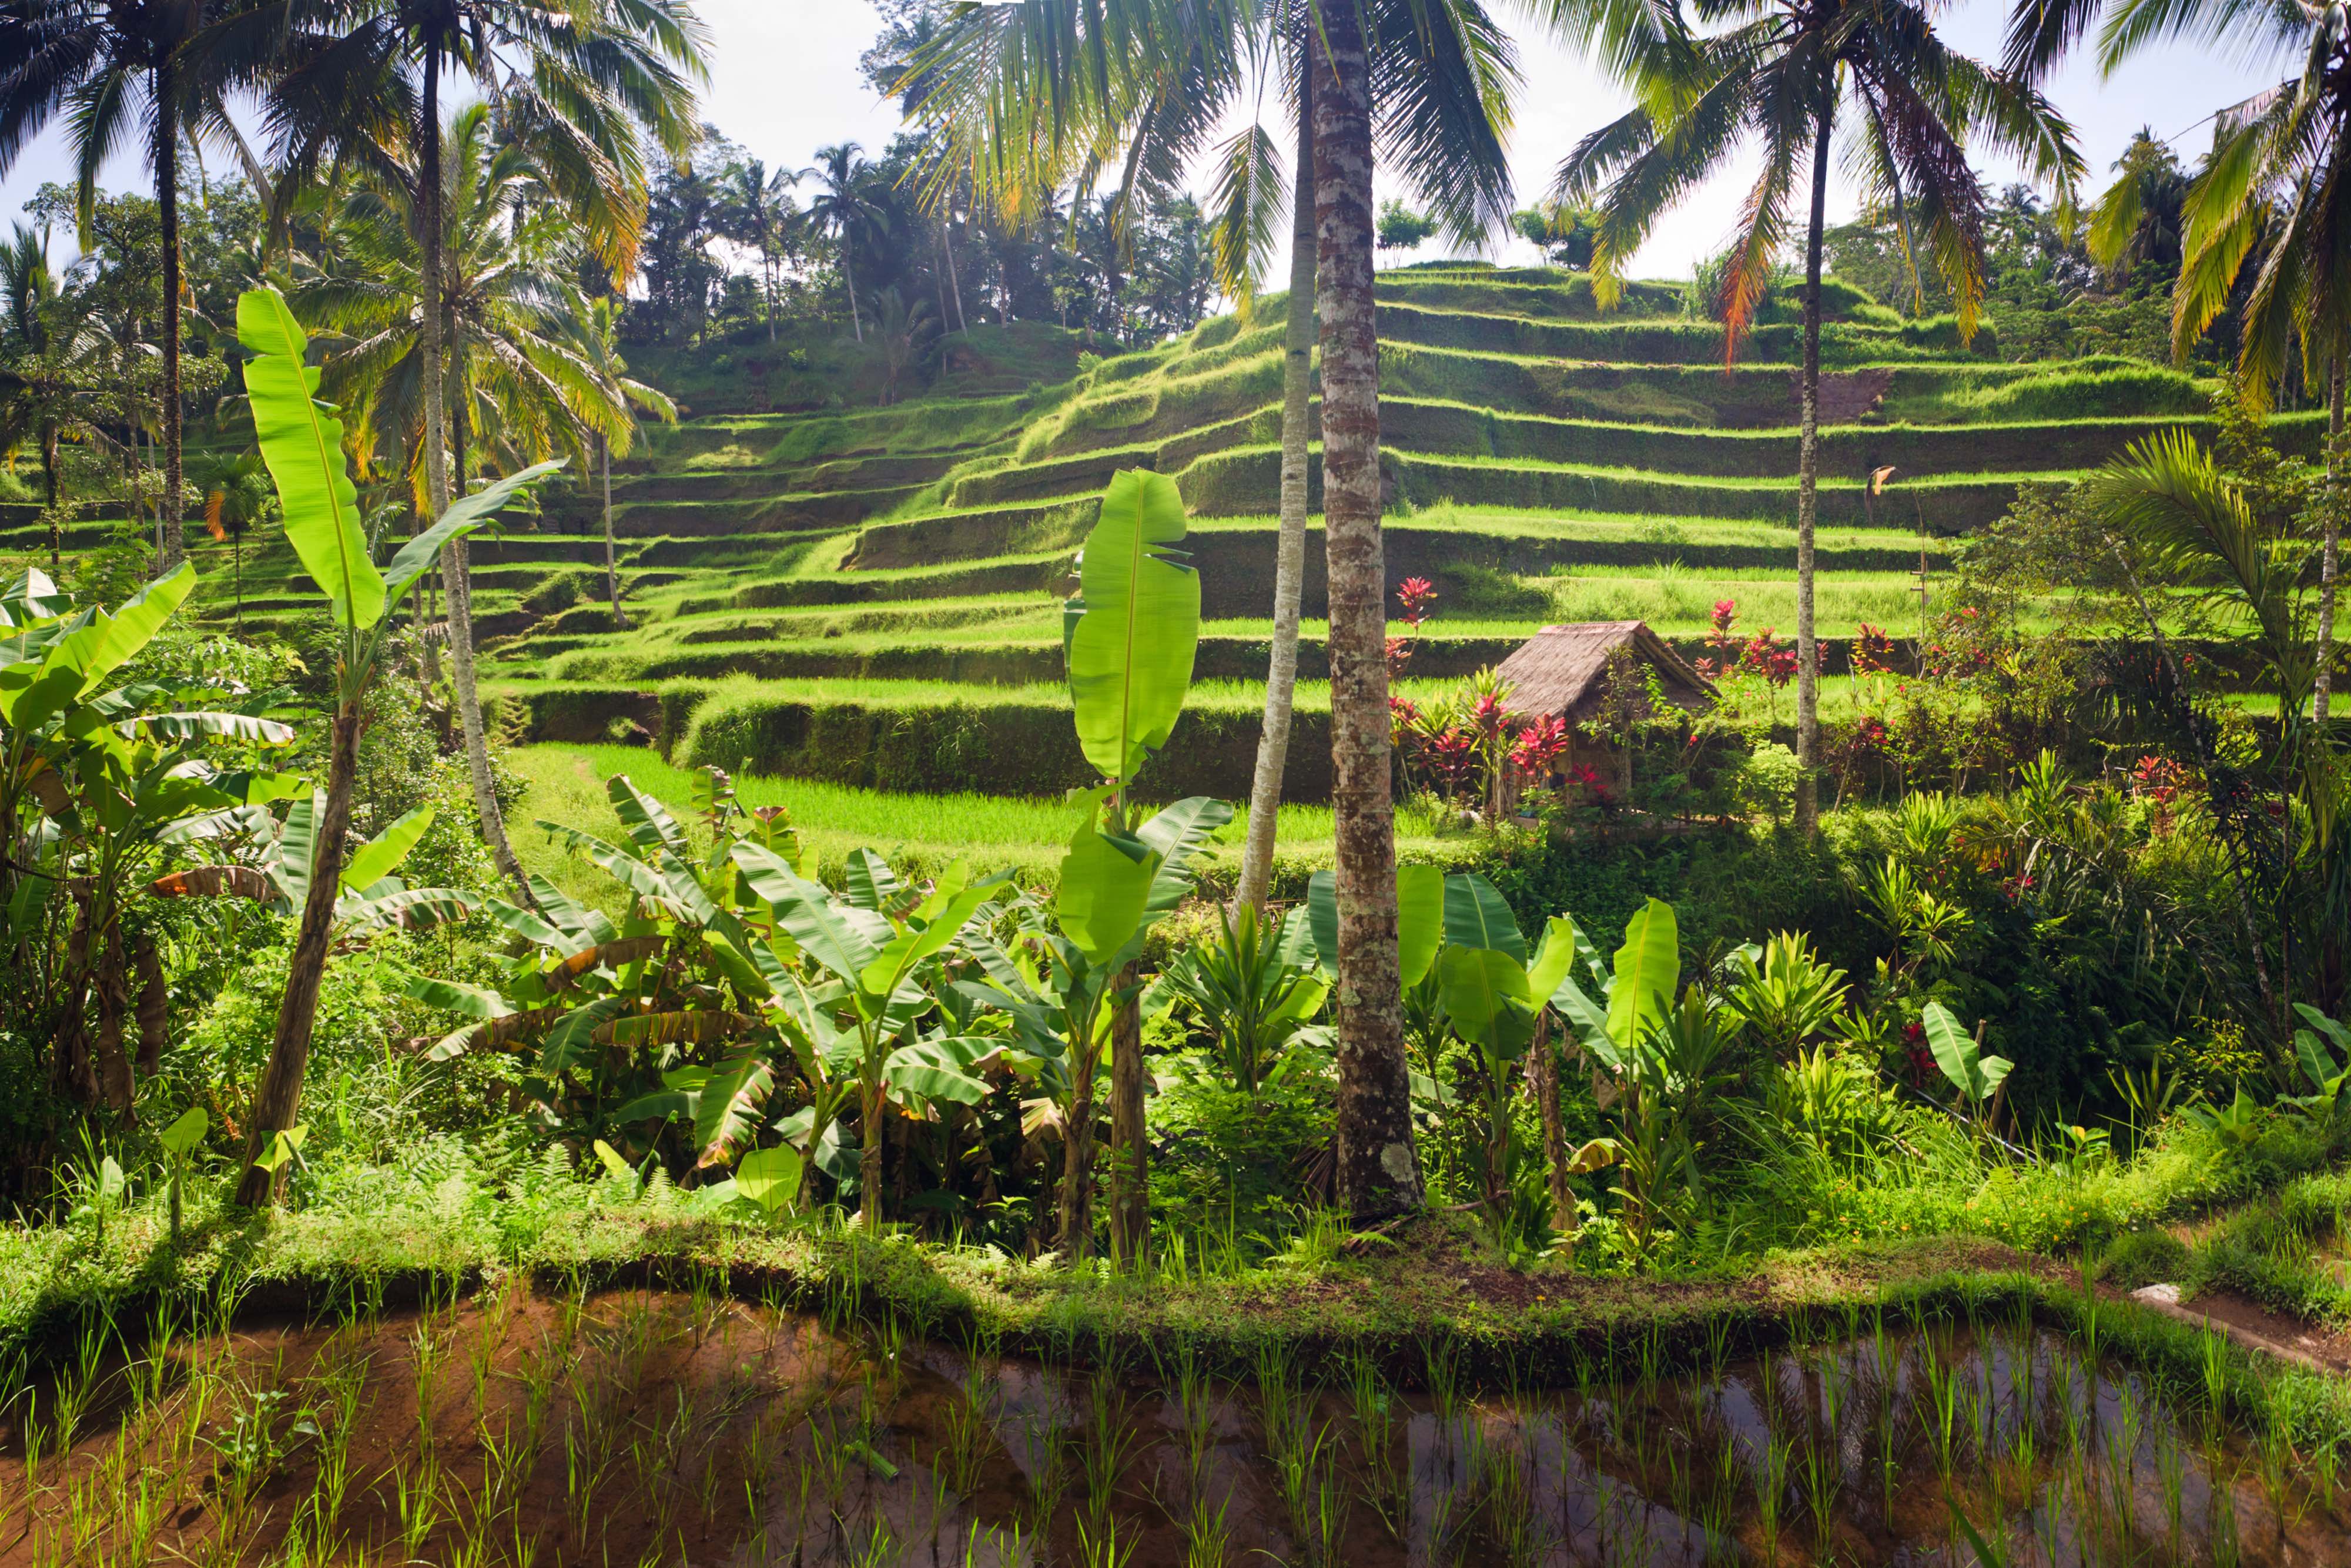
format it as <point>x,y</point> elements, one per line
<point>920,832</point>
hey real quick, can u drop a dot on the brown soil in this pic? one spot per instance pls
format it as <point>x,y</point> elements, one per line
<point>2257,1327</point>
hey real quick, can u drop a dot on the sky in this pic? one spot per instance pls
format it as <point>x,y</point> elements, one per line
<point>785,81</point>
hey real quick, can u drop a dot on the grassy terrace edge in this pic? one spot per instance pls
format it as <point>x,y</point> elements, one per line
<point>1432,1289</point>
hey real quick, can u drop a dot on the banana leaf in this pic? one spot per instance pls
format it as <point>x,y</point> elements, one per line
<point>1136,625</point>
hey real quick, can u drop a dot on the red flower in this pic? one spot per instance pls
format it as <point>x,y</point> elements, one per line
<point>1726,615</point>
<point>1416,597</point>
<point>1540,745</point>
<point>1872,649</point>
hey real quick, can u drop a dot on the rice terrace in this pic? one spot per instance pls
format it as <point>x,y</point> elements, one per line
<point>1170,783</point>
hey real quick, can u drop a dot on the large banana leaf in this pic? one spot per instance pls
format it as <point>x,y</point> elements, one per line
<point>1487,999</point>
<point>1136,624</point>
<point>303,444</point>
<point>1420,920</point>
<point>1176,834</point>
<point>381,856</point>
<point>888,969</point>
<point>1647,964</point>
<point>1105,888</point>
<point>1478,915</point>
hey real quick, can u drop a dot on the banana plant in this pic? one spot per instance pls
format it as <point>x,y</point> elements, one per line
<point>301,441</point>
<point>2314,1051</point>
<point>870,950</point>
<point>95,791</point>
<point>1114,886</point>
<point>1977,1077</point>
<point>1499,998</point>
<point>274,870</point>
<point>1128,637</point>
<point>637,1014</point>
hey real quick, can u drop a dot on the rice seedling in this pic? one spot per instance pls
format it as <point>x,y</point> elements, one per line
<point>1207,1537</point>
<point>417,1501</point>
<point>1770,1487</point>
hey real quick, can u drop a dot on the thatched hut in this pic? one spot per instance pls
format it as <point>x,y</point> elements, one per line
<point>1561,671</point>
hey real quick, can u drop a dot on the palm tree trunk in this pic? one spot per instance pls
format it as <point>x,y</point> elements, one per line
<point>280,1094</point>
<point>167,207</point>
<point>954,285</point>
<point>428,220</point>
<point>49,488</point>
<point>1290,547</point>
<point>1808,465</point>
<point>457,563</point>
<point>1378,1170</point>
<point>612,573</point>
<point>849,281</point>
<point>2330,548</point>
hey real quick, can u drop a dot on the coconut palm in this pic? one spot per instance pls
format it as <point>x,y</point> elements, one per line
<point>517,383</point>
<point>583,87</point>
<point>843,207</point>
<point>2270,198</point>
<point>758,213</point>
<point>41,382</point>
<point>612,416</point>
<point>2142,220</point>
<point>114,69</point>
<point>1032,95</point>
<point>1777,74</point>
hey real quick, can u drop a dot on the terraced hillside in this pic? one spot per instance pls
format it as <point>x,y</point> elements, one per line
<point>871,595</point>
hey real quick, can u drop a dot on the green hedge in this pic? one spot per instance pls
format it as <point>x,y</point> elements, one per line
<point>1001,747</point>
<point>1915,450</point>
<point>1667,342</point>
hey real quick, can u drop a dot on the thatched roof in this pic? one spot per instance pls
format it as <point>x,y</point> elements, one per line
<point>1558,669</point>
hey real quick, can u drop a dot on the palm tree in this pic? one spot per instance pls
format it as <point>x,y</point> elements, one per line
<point>115,69</point>
<point>1034,95</point>
<point>1778,74</point>
<point>758,209</point>
<point>844,208</point>
<point>612,417</point>
<point>361,80</point>
<point>41,383</point>
<point>2142,219</point>
<point>2269,197</point>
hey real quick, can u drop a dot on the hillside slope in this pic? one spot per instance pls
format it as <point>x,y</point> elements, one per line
<point>871,595</point>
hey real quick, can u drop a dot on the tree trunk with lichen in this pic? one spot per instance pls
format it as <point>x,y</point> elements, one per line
<point>1378,1170</point>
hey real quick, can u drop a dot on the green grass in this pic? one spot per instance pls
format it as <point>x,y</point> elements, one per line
<point>925,832</point>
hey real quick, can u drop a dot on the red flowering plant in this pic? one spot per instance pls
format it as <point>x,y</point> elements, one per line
<point>2160,782</point>
<point>1872,650</point>
<point>1766,659</point>
<point>1416,603</point>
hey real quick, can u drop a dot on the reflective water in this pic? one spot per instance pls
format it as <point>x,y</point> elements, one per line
<point>635,1429</point>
